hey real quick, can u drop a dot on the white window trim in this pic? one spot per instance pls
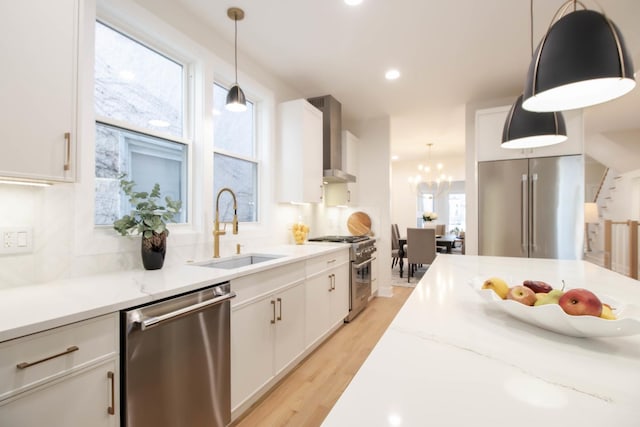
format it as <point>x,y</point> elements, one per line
<point>257,150</point>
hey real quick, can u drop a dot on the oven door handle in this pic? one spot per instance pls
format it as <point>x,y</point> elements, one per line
<point>362,264</point>
<point>155,321</point>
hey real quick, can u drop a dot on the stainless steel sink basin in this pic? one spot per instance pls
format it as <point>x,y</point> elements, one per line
<point>238,261</point>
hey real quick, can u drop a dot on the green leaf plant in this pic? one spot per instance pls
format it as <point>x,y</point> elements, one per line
<point>148,217</point>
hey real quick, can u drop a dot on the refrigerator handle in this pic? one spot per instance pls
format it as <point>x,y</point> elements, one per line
<point>532,209</point>
<point>523,212</point>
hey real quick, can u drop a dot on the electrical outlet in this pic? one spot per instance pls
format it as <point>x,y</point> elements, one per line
<point>16,240</point>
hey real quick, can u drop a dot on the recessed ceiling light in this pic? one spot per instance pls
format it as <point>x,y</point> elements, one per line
<point>159,123</point>
<point>392,74</point>
<point>353,2</point>
<point>394,157</point>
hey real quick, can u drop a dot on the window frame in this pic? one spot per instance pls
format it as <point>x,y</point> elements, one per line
<point>188,101</point>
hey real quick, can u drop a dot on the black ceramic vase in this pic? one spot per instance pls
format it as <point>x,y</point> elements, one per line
<point>153,250</point>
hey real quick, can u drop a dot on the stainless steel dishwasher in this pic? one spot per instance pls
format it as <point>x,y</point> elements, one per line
<point>176,361</point>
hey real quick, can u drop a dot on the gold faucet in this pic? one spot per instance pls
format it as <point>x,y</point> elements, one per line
<point>216,229</point>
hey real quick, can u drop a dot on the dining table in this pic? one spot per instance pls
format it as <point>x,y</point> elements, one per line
<point>446,241</point>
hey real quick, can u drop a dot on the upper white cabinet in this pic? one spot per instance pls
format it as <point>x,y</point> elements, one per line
<point>345,194</point>
<point>300,131</point>
<point>489,126</point>
<point>38,86</point>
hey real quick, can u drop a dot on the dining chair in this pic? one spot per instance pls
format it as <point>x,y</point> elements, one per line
<point>440,229</point>
<point>395,245</point>
<point>421,248</point>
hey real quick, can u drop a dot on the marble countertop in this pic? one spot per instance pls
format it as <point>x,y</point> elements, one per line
<point>449,358</point>
<point>29,309</point>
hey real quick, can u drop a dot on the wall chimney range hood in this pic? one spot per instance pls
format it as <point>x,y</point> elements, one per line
<point>331,139</point>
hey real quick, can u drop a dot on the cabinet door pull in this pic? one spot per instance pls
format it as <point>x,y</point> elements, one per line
<point>280,312</point>
<point>67,143</point>
<point>273,304</point>
<point>111,410</point>
<point>25,365</point>
<point>330,283</point>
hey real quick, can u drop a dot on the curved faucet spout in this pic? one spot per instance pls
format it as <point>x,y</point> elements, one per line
<point>216,229</point>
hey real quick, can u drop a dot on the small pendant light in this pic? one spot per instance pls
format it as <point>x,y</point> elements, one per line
<point>527,129</point>
<point>236,100</point>
<point>581,61</point>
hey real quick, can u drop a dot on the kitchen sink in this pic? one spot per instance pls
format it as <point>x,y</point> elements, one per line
<point>238,261</point>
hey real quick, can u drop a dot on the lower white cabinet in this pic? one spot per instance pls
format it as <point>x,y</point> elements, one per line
<point>84,398</point>
<point>66,376</point>
<point>279,316</point>
<point>267,328</point>
<point>326,301</point>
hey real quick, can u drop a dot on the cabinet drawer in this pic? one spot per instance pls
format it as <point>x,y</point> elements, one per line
<point>323,262</point>
<point>48,355</point>
<point>267,281</point>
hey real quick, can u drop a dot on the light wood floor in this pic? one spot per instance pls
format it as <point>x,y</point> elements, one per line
<point>307,394</point>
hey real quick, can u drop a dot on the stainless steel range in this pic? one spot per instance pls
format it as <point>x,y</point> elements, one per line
<point>360,255</point>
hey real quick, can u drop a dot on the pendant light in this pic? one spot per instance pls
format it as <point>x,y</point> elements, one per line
<point>236,100</point>
<point>581,61</point>
<point>527,129</point>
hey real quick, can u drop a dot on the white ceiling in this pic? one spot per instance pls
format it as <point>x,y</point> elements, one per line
<point>448,52</point>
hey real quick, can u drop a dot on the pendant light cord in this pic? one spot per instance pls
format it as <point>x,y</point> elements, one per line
<point>235,44</point>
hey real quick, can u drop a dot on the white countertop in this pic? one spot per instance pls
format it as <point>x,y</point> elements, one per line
<point>451,359</point>
<point>29,309</point>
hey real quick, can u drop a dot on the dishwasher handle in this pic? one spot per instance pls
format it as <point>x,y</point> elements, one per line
<point>155,321</point>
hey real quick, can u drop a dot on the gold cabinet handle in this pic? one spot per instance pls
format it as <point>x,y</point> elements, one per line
<point>111,410</point>
<point>273,304</point>
<point>25,365</point>
<point>280,312</point>
<point>67,142</point>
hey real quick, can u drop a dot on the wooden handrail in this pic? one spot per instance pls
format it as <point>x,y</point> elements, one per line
<point>604,176</point>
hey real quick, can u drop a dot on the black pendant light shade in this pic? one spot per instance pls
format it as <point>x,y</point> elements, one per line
<point>236,100</point>
<point>581,61</point>
<point>527,129</point>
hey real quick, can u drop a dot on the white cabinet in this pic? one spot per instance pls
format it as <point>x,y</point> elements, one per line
<point>345,194</point>
<point>66,376</point>
<point>489,126</point>
<point>326,295</point>
<point>38,86</point>
<point>84,398</point>
<point>267,328</point>
<point>338,194</point>
<point>300,152</point>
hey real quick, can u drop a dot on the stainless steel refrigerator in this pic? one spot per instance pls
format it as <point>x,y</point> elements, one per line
<point>531,207</point>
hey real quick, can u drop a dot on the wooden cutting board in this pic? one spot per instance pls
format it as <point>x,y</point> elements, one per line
<point>359,224</point>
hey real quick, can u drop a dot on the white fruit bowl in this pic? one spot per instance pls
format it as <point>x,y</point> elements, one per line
<point>553,318</point>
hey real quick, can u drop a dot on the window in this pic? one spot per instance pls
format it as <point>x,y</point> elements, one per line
<point>139,105</point>
<point>457,206</point>
<point>235,162</point>
<point>425,202</point>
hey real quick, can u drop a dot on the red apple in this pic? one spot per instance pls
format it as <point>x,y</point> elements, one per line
<point>580,302</point>
<point>537,286</point>
<point>522,294</point>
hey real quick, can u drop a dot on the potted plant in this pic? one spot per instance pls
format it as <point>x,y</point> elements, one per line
<point>148,218</point>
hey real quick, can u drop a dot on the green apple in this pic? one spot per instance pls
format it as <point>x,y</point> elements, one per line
<point>552,297</point>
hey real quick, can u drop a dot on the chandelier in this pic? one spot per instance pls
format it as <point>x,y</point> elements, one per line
<point>433,174</point>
